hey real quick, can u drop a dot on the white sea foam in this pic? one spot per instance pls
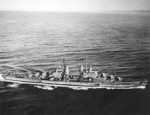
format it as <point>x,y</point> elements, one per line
<point>109,88</point>
<point>86,88</point>
<point>44,87</point>
<point>78,88</point>
<point>14,85</point>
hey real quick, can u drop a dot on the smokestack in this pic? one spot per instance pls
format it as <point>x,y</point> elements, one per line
<point>81,69</point>
<point>66,70</point>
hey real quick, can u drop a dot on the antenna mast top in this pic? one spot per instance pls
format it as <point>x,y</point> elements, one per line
<point>64,62</point>
<point>85,63</point>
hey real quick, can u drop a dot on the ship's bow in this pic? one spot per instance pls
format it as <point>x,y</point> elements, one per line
<point>1,77</point>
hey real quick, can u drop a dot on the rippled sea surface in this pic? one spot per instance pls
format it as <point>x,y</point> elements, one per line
<point>115,43</point>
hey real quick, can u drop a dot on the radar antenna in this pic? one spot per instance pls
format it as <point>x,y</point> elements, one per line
<point>86,63</point>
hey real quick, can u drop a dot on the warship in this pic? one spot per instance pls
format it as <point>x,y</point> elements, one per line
<point>60,77</point>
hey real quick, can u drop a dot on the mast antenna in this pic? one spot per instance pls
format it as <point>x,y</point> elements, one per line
<point>85,63</point>
<point>64,62</point>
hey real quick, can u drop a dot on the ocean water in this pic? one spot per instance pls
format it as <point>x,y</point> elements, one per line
<point>115,43</point>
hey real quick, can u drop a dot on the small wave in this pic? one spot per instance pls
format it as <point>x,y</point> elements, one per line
<point>45,87</point>
<point>13,85</point>
<point>2,91</point>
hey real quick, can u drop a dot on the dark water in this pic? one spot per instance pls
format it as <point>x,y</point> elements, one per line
<point>118,44</point>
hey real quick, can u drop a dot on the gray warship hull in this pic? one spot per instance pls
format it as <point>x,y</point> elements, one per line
<point>96,84</point>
